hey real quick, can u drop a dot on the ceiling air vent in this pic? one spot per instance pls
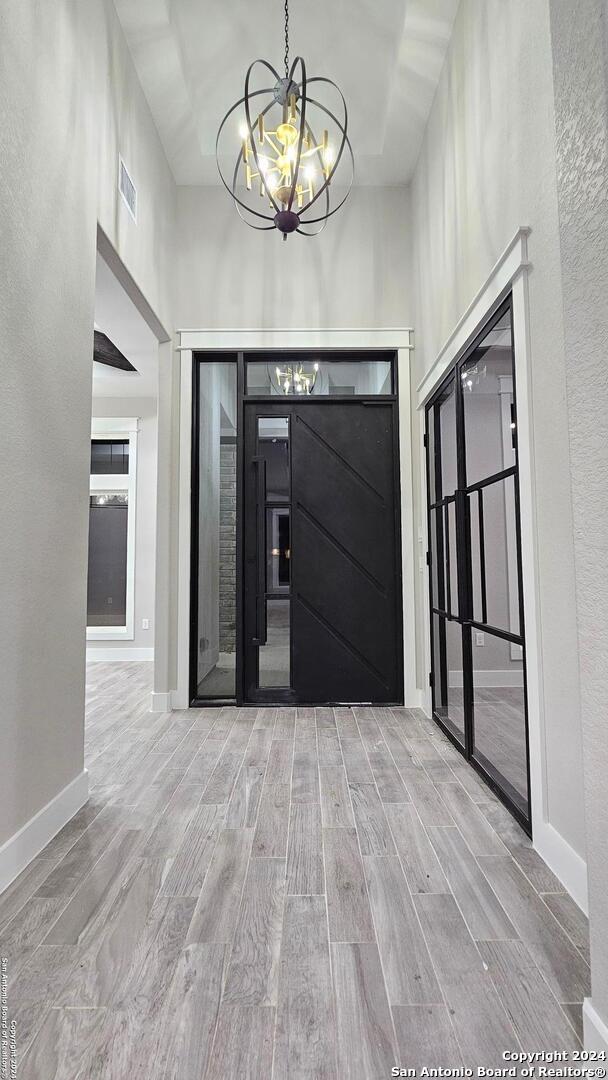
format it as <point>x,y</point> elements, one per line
<point>127,189</point>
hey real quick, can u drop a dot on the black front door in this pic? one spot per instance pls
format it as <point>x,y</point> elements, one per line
<point>322,578</point>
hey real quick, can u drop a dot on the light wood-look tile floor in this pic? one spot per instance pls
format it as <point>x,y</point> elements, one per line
<point>274,893</point>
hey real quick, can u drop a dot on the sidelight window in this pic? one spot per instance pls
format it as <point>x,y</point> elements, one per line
<point>214,482</point>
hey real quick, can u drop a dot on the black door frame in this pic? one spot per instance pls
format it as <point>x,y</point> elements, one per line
<point>465,612</point>
<point>239,359</point>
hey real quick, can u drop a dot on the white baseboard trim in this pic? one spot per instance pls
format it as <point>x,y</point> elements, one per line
<point>595,1031</point>
<point>491,678</point>
<point>415,699</point>
<point>160,702</point>
<point>179,700</point>
<point>564,861</point>
<point>112,654</point>
<point>32,837</point>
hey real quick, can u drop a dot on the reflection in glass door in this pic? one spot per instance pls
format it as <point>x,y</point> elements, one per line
<point>477,640</point>
<point>273,511</point>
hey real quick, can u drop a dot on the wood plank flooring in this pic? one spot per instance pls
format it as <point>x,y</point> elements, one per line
<point>282,894</point>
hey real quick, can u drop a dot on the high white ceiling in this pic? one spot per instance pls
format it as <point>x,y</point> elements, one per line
<point>386,56</point>
<point>117,316</point>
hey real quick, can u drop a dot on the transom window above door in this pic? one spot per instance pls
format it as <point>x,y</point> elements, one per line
<point>293,374</point>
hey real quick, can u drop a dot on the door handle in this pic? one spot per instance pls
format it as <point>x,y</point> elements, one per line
<point>260,551</point>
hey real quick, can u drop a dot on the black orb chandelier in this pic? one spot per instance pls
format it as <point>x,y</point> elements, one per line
<point>284,173</point>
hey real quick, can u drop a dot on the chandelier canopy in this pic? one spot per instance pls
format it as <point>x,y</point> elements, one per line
<point>291,147</point>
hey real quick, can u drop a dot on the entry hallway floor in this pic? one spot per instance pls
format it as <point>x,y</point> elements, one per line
<point>257,893</point>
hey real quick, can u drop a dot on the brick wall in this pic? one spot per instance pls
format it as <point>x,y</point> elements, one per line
<point>228,547</point>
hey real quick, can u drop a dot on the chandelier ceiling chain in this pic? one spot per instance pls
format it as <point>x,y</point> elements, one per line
<point>281,158</point>
<point>286,39</point>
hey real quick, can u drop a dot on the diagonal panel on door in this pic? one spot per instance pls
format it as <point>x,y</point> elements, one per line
<point>346,582</point>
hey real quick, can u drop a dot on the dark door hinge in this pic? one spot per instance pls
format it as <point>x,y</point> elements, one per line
<point>513,427</point>
<point>428,558</point>
<point>426,439</point>
<point>430,678</point>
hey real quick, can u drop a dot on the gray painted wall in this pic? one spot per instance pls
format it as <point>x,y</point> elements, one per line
<point>355,274</point>
<point>486,167</point>
<point>70,101</point>
<point>579,36</point>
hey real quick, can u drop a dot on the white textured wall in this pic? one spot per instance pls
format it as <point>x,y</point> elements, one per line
<point>57,60</point>
<point>353,275</point>
<point>47,268</point>
<point>579,36</point>
<point>145,517</point>
<point>487,166</point>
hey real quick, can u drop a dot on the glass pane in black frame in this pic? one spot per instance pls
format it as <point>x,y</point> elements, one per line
<point>282,375</point>
<point>216,469</point>
<point>499,719</point>
<point>431,452</point>
<point>109,457</point>
<point>448,675</point>
<point>273,446</point>
<point>447,441</point>
<point>107,573</point>
<point>487,392</point>
<point>452,558</point>
<point>494,562</point>
<point>278,549</point>
<point>274,658</point>
<point>437,572</point>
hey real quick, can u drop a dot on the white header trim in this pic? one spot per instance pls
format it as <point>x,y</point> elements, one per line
<point>113,425</point>
<point>249,338</point>
<point>298,330</point>
<point>513,259</point>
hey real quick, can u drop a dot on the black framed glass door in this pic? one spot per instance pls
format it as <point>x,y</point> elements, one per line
<point>295,589</point>
<point>478,675</point>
